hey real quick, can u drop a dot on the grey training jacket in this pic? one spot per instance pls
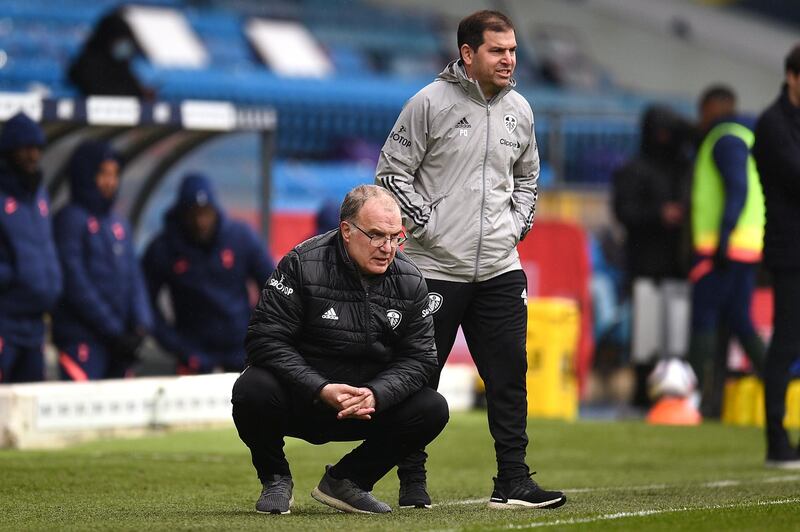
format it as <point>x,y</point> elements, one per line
<point>464,172</point>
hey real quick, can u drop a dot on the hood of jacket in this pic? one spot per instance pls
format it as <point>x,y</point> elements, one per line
<point>664,133</point>
<point>19,132</point>
<point>83,168</point>
<point>455,72</point>
<point>327,217</point>
<point>195,190</point>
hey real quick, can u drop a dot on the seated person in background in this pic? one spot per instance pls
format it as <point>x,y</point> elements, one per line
<point>327,217</point>
<point>30,279</point>
<point>205,261</point>
<point>103,65</point>
<point>104,312</point>
<point>340,348</point>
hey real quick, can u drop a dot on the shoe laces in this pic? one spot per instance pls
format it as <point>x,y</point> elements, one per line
<point>279,483</point>
<point>528,482</point>
<point>525,482</point>
<point>353,490</point>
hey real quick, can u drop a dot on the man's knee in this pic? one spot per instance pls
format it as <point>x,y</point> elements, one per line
<point>441,411</point>
<point>258,388</point>
<point>434,410</point>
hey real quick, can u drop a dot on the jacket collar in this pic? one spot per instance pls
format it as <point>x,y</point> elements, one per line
<point>786,105</point>
<point>342,251</point>
<point>455,72</point>
<point>13,183</point>
<point>351,266</point>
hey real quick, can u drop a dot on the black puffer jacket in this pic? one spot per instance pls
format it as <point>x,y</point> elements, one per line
<point>777,154</point>
<point>657,175</point>
<point>319,321</point>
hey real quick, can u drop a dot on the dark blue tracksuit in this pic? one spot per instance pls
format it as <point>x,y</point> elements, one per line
<point>207,284</point>
<point>104,293</point>
<point>30,279</point>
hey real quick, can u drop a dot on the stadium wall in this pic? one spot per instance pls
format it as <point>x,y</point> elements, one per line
<point>56,414</point>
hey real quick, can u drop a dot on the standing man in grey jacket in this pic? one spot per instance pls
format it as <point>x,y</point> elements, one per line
<point>463,163</point>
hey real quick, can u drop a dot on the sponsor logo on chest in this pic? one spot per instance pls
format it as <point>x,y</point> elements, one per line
<point>279,285</point>
<point>399,137</point>
<point>510,122</point>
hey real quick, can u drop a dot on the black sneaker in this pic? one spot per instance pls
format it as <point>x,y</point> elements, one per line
<point>346,496</point>
<point>414,494</point>
<point>524,493</point>
<point>276,497</point>
<point>785,458</point>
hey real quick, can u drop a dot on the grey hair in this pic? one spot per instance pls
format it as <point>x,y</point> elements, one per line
<point>356,198</point>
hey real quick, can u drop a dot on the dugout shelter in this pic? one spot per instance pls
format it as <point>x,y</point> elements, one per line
<point>151,137</point>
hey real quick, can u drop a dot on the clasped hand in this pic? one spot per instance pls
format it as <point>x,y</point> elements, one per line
<point>349,401</point>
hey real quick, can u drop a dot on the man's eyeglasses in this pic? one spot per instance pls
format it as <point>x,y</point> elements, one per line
<point>379,240</point>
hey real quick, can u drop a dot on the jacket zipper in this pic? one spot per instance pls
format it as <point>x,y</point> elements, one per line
<point>367,322</point>
<point>483,193</point>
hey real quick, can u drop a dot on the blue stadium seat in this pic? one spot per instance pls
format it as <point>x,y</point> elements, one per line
<point>316,117</point>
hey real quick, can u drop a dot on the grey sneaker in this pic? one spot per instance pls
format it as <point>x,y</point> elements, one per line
<point>344,495</point>
<point>414,494</point>
<point>276,497</point>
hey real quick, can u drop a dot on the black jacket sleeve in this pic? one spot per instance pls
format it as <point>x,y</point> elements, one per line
<point>776,153</point>
<point>415,358</point>
<point>275,325</point>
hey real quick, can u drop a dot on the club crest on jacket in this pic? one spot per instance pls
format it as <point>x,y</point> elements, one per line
<point>394,317</point>
<point>434,303</point>
<point>511,122</point>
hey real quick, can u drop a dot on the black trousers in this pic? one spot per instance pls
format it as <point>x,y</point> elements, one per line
<point>493,315</point>
<point>265,411</point>
<point>784,348</point>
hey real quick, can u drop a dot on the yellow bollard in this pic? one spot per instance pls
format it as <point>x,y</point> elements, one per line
<point>743,403</point>
<point>553,328</point>
<point>792,418</point>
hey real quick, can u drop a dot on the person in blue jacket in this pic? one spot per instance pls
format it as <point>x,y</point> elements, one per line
<point>204,260</point>
<point>30,279</point>
<point>104,313</point>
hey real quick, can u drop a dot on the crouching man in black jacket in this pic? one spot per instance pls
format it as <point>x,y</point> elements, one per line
<point>339,348</point>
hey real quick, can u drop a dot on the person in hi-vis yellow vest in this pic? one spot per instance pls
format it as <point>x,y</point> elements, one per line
<point>727,221</point>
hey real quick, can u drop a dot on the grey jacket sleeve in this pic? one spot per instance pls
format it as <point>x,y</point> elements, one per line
<point>526,176</point>
<point>400,157</point>
<point>275,324</point>
<point>415,361</point>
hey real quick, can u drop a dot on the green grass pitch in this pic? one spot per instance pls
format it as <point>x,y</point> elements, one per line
<point>617,476</point>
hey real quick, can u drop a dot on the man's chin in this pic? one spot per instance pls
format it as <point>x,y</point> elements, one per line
<point>378,268</point>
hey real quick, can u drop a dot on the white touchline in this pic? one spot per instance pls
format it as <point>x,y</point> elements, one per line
<point>640,513</point>
<point>644,513</point>
<point>713,484</point>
